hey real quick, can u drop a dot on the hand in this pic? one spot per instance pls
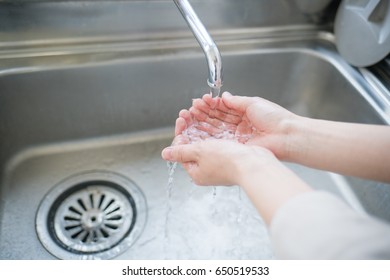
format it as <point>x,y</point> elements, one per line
<point>252,120</point>
<point>267,182</point>
<point>219,162</point>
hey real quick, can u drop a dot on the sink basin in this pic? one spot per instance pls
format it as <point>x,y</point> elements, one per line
<point>109,111</point>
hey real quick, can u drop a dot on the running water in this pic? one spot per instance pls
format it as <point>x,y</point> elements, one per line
<point>171,170</point>
<point>214,92</point>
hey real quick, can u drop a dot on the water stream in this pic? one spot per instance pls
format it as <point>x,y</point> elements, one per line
<point>215,92</point>
<point>171,171</point>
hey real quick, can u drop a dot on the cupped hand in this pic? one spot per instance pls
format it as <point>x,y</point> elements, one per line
<point>252,120</point>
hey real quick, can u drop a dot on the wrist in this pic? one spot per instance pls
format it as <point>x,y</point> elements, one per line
<point>255,164</point>
<point>269,184</point>
<point>295,135</point>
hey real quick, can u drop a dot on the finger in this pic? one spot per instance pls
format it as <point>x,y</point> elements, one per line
<point>180,140</point>
<point>212,102</point>
<point>238,103</point>
<point>201,105</point>
<point>195,174</point>
<point>189,167</point>
<point>206,120</point>
<point>209,130</point>
<point>220,106</point>
<point>179,153</point>
<point>202,110</point>
<point>208,104</point>
<point>180,126</point>
<point>220,112</point>
<point>225,116</point>
<point>215,103</point>
<point>186,115</point>
<point>214,117</point>
<point>198,114</point>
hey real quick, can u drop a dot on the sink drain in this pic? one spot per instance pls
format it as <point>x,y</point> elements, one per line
<point>91,216</point>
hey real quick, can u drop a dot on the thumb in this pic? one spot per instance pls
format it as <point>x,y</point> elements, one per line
<point>179,153</point>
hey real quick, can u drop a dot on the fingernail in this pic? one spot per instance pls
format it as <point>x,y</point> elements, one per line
<point>167,153</point>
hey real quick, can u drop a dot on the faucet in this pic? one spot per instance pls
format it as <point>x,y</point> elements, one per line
<point>208,45</point>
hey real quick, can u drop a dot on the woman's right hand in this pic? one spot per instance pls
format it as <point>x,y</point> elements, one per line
<point>267,182</point>
<point>220,162</point>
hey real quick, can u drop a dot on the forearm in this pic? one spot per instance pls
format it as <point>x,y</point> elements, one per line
<point>351,149</point>
<point>319,225</point>
<point>269,186</point>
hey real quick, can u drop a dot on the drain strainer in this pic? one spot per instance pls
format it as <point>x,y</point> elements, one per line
<point>95,215</point>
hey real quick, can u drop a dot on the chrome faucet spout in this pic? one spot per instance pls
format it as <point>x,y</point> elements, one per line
<point>208,45</point>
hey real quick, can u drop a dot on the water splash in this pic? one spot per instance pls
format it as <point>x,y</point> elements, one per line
<point>198,131</point>
<point>216,129</point>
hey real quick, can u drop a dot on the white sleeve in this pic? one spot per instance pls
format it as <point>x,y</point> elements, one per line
<point>319,225</point>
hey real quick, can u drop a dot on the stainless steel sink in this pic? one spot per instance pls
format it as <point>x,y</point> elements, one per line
<point>109,108</point>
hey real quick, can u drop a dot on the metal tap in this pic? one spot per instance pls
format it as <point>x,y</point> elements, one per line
<point>208,45</point>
